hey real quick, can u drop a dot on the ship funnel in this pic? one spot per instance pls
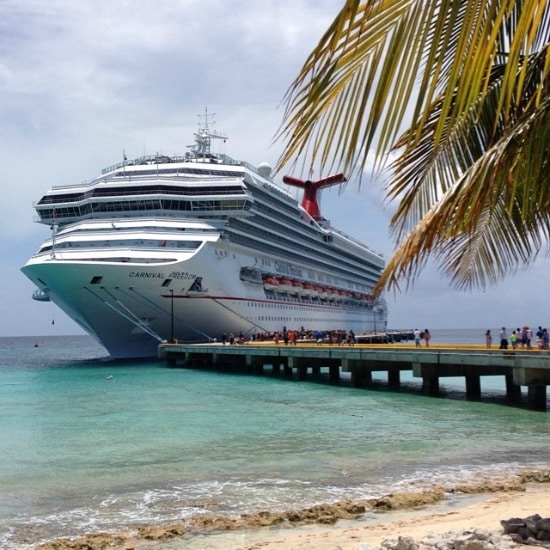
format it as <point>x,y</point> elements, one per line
<point>309,201</point>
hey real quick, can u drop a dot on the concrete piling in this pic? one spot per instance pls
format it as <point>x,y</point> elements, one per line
<point>530,369</point>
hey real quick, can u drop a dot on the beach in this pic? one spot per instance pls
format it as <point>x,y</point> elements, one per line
<point>427,516</point>
<point>484,513</point>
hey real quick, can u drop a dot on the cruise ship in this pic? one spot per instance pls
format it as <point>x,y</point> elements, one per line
<point>190,247</point>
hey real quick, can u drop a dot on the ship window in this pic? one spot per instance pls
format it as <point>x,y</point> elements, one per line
<point>96,279</point>
<point>166,282</point>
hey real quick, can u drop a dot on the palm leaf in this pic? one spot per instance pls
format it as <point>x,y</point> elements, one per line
<point>473,77</point>
<point>494,219</point>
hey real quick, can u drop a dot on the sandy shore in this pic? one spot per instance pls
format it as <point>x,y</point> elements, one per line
<point>344,526</point>
<point>480,511</point>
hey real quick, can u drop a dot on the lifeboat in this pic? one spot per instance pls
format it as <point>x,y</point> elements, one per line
<point>334,294</point>
<point>271,283</point>
<point>308,289</point>
<point>318,290</point>
<point>324,292</point>
<point>285,285</point>
<point>298,287</point>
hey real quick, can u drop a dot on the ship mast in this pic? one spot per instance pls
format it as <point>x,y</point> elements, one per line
<point>204,136</point>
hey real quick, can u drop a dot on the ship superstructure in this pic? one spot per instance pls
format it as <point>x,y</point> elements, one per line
<point>190,247</point>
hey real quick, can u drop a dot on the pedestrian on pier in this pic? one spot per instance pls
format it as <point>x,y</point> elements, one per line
<point>417,337</point>
<point>292,337</point>
<point>538,334</point>
<point>488,339</point>
<point>503,338</point>
<point>528,337</point>
<point>521,337</point>
<point>427,337</point>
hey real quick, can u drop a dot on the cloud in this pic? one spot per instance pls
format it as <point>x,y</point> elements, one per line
<point>81,82</point>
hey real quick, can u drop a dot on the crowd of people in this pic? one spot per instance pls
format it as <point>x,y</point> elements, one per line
<point>522,338</point>
<point>291,336</point>
<point>519,338</point>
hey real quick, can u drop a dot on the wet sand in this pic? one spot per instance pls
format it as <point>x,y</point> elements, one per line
<point>345,525</point>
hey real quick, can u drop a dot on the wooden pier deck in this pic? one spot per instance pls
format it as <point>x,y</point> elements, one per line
<point>527,368</point>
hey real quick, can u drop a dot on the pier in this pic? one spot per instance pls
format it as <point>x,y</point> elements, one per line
<point>520,368</point>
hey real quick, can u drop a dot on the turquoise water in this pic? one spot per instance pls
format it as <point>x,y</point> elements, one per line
<point>81,452</point>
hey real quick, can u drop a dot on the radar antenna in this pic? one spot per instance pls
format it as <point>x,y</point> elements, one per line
<point>309,201</point>
<point>204,136</point>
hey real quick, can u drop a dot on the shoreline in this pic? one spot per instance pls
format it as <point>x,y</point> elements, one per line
<point>444,520</point>
<point>345,525</point>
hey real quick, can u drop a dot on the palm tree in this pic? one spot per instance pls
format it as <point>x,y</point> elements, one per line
<point>458,92</point>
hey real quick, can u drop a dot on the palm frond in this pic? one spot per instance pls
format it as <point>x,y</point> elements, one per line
<point>493,220</point>
<point>406,54</point>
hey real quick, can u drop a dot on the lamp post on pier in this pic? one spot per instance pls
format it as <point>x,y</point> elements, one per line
<point>172,316</point>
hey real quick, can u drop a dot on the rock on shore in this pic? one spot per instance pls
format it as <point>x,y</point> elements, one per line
<point>476,539</point>
<point>530,530</point>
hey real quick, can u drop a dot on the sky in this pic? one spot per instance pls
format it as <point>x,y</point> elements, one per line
<point>83,83</point>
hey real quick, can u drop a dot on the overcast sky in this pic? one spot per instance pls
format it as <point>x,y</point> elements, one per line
<point>81,82</point>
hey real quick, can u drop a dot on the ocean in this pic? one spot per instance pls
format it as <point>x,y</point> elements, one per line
<point>89,445</point>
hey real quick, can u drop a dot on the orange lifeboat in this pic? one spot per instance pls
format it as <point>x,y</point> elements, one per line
<point>318,290</point>
<point>334,294</point>
<point>308,289</point>
<point>271,283</point>
<point>286,285</point>
<point>298,287</point>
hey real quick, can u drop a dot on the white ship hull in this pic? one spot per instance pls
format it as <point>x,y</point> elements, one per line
<point>129,312</point>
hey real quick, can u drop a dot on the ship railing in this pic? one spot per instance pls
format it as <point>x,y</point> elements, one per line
<point>210,194</point>
<point>355,241</point>
<point>229,160</point>
<point>163,159</point>
<point>145,159</point>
